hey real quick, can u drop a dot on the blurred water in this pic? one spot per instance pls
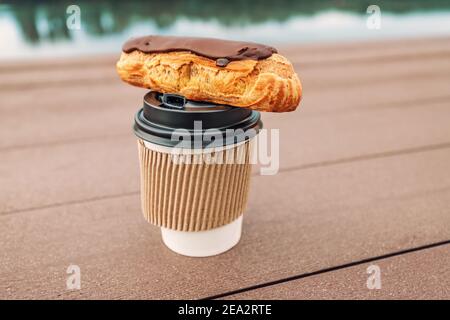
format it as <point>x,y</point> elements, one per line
<point>38,29</point>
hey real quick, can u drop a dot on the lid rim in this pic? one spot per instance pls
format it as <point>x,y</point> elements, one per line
<point>165,138</point>
<point>157,124</point>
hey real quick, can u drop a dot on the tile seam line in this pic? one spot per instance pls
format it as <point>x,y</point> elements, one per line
<point>368,157</point>
<point>328,270</point>
<point>371,58</point>
<point>313,165</point>
<point>73,202</point>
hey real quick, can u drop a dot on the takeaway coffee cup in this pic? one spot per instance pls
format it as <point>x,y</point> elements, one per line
<point>195,161</point>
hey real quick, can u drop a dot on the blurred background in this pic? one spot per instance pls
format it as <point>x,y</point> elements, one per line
<point>31,29</point>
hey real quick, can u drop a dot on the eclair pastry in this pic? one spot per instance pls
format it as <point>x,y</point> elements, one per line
<point>241,74</point>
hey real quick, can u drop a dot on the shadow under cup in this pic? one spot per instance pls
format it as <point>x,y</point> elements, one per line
<point>195,161</point>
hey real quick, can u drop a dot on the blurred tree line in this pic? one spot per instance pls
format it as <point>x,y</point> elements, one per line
<point>107,16</point>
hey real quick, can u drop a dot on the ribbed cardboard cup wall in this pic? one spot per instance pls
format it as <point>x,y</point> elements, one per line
<point>186,194</point>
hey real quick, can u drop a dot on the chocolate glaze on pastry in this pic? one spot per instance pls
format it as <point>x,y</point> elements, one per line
<point>239,74</point>
<point>223,51</point>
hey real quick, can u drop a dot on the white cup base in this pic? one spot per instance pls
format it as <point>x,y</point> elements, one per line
<point>203,243</point>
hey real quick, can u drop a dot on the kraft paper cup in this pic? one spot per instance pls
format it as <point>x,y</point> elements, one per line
<point>198,206</point>
<point>197,196</point>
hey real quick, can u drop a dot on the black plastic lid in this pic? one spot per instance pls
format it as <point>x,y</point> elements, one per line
<point>167,119</point>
